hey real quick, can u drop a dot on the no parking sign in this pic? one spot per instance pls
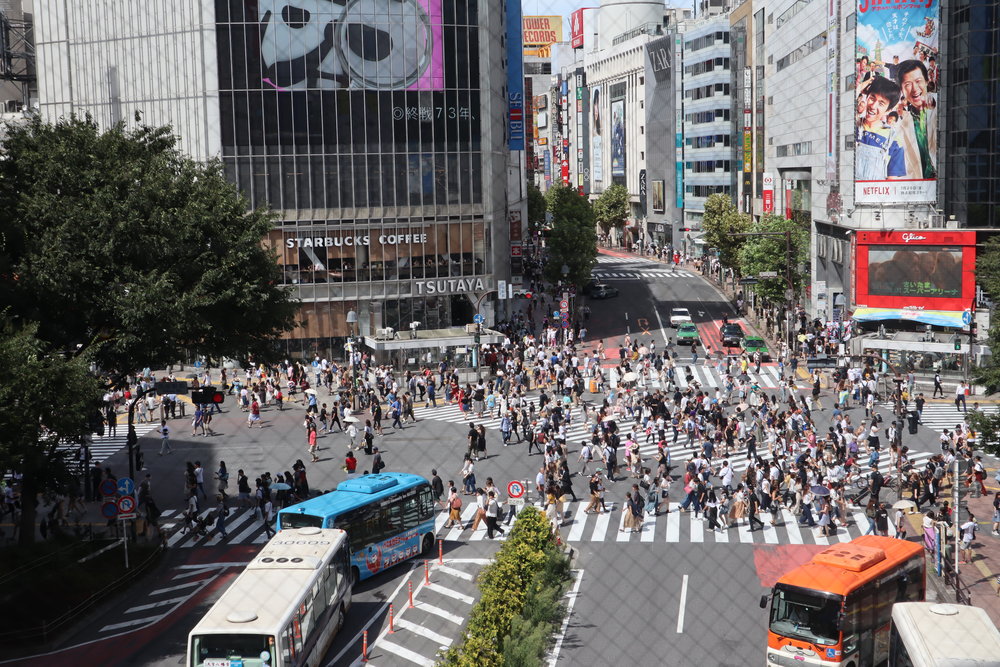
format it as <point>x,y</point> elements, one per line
<point>515,490</point>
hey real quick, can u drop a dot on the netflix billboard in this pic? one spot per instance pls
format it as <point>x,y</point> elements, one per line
<point>915,270</point>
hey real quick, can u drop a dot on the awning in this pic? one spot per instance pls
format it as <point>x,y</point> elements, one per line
<point>941,318</point>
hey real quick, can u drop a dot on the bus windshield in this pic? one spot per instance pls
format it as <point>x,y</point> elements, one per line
<point>803,615</point>
<point>232,649</point>
<point>296,520</point>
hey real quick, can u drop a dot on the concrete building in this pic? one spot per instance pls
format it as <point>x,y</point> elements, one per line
<point>707,116</point>
<point>390,175</point>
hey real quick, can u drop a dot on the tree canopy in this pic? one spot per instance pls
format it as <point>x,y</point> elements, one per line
<point>536,207</point>
<point>117,244</point>
<point>768,253</point>
<point>573,238</point>
<point>611,209</point>
<point>721,223</point>
<point>988,277</point>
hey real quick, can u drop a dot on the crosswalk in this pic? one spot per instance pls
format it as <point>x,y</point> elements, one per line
<point>642,273</point>
<point>611,259</point>
<point>105,446</point>
<point>941,416</point>
<point>674,527</point>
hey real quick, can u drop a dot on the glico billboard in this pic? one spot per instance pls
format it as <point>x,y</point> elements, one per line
<point>915,270</point>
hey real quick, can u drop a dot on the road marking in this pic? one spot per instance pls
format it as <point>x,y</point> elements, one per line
<point>791,527</point>
<point>683,602</point>
<point>579,523</point>
<point>722,535</point>
<point>571,596</point>
<point>405,653</point>
<point>201,570</point>
<point>250,530</point>
<point>601,526</point>
<point>666,339</point>
<point>160,591</point>
<point>415,628</point>
<point>154,605</point>
<point>455,595</point>
<point>438,611</point>
<point>744,531</point>
<point>819,537</point>
<point>624,535</point>
<point>129,624</point>
<point>673,523</point>
<point>453,572</point>
<point>697,529</point>
<point>770,532</point>
<point>648,528</point>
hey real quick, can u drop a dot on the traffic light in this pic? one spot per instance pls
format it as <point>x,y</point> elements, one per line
<point>522,295</point>
<point>207,396</point>
<point>958,343</point>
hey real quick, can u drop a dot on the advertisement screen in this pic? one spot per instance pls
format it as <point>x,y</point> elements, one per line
<point>356,94</point>
<point>897,73</point>
<point>618,137</point>
<point>658,196</point>
<point>596,139</point>
<point>917,272</point>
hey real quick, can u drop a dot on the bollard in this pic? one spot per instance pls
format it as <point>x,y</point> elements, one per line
<point>440,552</point>
<point>392,621</point>
<point>410,586</point>
<point>427,572</point>
<point>364,647</point>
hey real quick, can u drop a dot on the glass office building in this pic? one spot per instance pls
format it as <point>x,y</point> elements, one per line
<point>374,128</point>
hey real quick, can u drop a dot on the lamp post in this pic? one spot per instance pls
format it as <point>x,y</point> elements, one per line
<point>352,321</point>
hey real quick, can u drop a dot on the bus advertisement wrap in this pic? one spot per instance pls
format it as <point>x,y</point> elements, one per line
<point>897,71</point>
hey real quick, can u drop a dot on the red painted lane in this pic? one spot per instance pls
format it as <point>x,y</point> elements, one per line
<point>773,561</point>
<point>711,336</point>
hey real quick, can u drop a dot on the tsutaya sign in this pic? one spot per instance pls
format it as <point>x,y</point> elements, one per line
<point>450,286</point>
<point>353,240</point>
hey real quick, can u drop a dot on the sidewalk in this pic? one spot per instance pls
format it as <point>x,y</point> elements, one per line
<point>981,574</point>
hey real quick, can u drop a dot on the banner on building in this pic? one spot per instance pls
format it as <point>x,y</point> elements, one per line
<point>542,30</point>
<point>596,139</point>
<point>618,137</point>
<point>642,191</point>
<point>767,192</point>
<point>659,196</point>
<point>896,117</point>
<point>576,29</point>
<point>515,79</point>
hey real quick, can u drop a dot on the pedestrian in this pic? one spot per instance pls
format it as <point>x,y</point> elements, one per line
<point>437,487</point>
<point>454,507</point>
<point>164,430</point>
<point>377,463</point>
<point>882,520</point>
<point>267,514</point>
<point>492,513</point>
<point>960,391</point>
<point>199,479</point>
<point>311,436</point>
<point>242,488</point>
<point>752,504</point>
<point>900,521</point>
<point>968,535</point>
<point>221,512</point>
<point>222,475</point>
<point>254,417</point>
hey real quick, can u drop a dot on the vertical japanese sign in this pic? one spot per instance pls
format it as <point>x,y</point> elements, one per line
<point>897,107</point>
<point>767,192</point>
<point>596,139</point>
<point>576,29</point>
<point>515,78</point>
<point>747,120</point>
<point>831,89</point>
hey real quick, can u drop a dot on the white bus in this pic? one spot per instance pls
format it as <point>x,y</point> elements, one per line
<point>284,609</point>
<point>929,634</point>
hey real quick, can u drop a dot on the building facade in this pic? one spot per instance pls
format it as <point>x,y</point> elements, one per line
<point>380,140</point>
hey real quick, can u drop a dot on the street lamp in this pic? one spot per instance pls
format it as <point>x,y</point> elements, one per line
<point>352,321</point>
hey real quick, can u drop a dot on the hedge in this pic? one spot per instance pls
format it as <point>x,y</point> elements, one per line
<point>520,605</point>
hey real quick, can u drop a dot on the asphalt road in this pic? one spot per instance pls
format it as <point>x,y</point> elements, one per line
<point>674,596</point>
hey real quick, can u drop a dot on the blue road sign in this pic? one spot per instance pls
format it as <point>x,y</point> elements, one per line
<point>967,318</point>
<point>555,313</point>
<point>126,487</point>
<point>109,510</point>
<point>479,318</point>
<point>565,324</point>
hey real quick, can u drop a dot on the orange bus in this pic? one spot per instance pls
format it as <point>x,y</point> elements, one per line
<point>836,609</point>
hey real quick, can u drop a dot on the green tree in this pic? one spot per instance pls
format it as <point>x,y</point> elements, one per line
<point>119,246</point>
<point>116,251</point>
<point>988,276</point>
<point>536,208</point>
<point>987,428</point>
<point>573,239</point>
<point>721,223</point>
<point>47,398</point>
<point>768,253</point>
<point>612,207</point>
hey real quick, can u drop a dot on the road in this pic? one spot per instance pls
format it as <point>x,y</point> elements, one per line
<point>673,594</point>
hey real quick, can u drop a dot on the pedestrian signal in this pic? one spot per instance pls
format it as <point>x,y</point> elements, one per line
<point>206,396</point>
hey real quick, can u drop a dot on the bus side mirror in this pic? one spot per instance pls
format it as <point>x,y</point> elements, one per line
<point>763,601</point>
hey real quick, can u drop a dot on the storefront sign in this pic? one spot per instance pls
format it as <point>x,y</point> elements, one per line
<point>353,240</point>
<point>542,30</point>
<point>450,286</point>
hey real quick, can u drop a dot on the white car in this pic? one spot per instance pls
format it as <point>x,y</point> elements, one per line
<point>679,316</point>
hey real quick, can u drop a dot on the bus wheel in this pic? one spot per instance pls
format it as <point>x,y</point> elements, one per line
<point>341,615</point>
<point>355,576</point>
<point>428,544</point>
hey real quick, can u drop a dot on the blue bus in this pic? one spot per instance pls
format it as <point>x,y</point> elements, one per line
<point>388,518</point>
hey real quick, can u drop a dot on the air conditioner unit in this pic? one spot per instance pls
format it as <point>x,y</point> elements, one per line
<point>386,333</point>
<point>471,328</point>
<point>937,221</point>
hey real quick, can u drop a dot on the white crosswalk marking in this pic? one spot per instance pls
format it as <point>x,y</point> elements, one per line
<point>105,446</point>
<point>604,274</point>
<point>941,416</point>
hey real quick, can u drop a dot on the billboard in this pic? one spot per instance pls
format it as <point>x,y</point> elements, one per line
<point>596,138</point>
<point>916,270</point>
<point>659,196</point>
<point>618,137</point>
<point>372,92</point>
<point>542,30</point>
<point>896,115</point>
<point>576,29</point>
<point>515,79</point>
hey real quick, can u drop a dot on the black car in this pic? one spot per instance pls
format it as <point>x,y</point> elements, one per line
<point>602,291</point>
<point>732,335</point>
